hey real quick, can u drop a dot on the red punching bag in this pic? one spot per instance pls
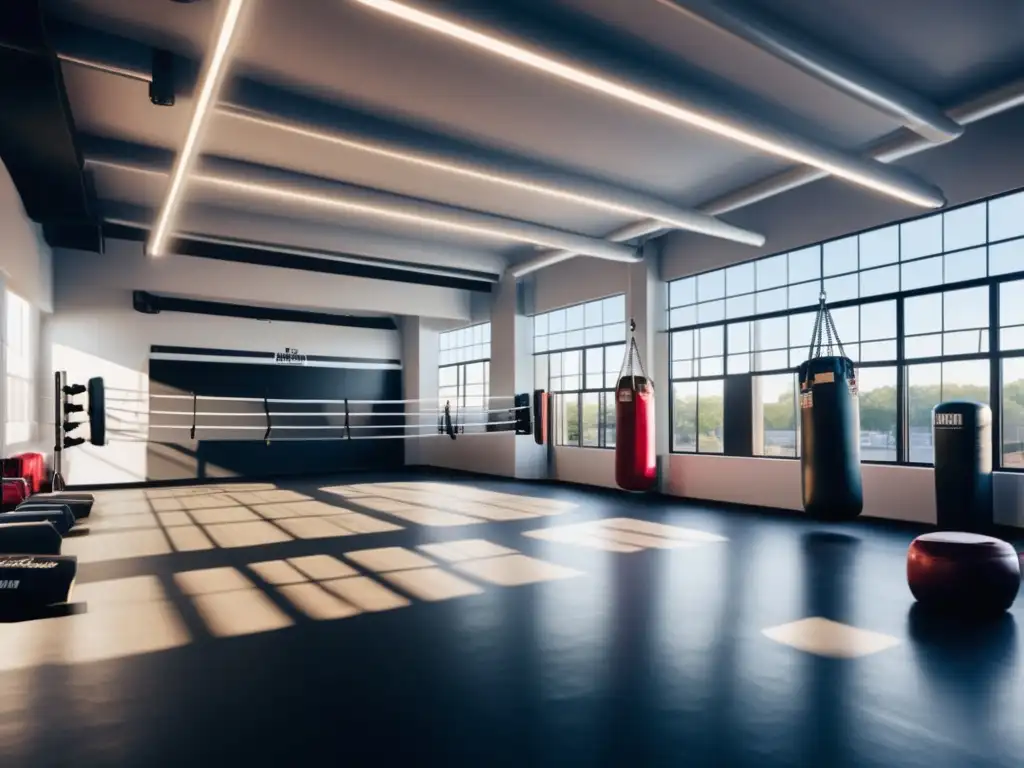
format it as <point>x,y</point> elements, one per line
<point>635,456</point>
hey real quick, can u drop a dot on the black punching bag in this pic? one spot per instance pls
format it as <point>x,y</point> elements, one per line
<point>830,428</point>
<point>962,436</point>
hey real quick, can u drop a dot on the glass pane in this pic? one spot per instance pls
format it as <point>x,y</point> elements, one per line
<point>1011,303</point>
<point>478,334</point>
<point>556,321</point>
<point>683,346</point>
<point>842,288</point>
<point>965,265</point>
<point>593,336</point>
<point>712,341</point>
<point>739,363</point>
<point>540,344</point>
<point>684,370</point>
<point>486,333</point>
<point>614,357</point>
<point>922,314</point>
<point>966,308</point>
<point>681,292</point>
<point>712,366</point>
<point>574,318</point>
<point>878,320</point>
<point>590,419</point>
<point>875,282</point>
<point>1006,217</point>
<point>684,416</point>
<point>921,274</point>
<point>805,264</point>
<point>682,318</point>
<point>570,419</point>
<point>1011,338</point>
<point>927,345</point>
<point>964,227</point>
<point>965,342</point>
<point>711,312</point>
<point>443,340</point>
<point>1006,258</point>
<point>595,368</point>
<point>1013,413</point>
<point>540,372</point>
<point>877,413</point>
<point>710,417</point>
<point>771,272</point>
<point>882,246</point>
<point>739,279</point>
<point>608,412</point>
<point>571,363</point>
<point>771,333</point>
<point>772,361</point>
<point>739,306</point>
<point>804,294</point>
<point>771,301</point>
<point>540,325</point>
<point>922,237</point>
<point>592,313</point>
<point>739,337</point>
<point>711,285</point>
<point>924,392</point>
<point>616,332</point>
<point>574,338</point>
<point>840,256</point>
<point>847,323</point>
<point>614,309</point>
<point>775,415</point>
<point>801,328</point>
<point>446,377</point>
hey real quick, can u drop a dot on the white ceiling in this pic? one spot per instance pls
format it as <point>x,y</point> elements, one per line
<point>350,64</point>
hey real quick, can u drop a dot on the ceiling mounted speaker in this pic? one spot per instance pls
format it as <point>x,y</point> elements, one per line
<point>161,87</point>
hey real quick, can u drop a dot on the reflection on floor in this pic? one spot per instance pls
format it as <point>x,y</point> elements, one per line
<point>446,504</point>
<point>621,534</point>
<point>634,630</point>
<point>131,524</point>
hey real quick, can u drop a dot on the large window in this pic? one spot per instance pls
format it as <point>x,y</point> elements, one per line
<point>464,370</point>
<point>578,352</point>
<point>20,415</point>
<point>930,310</point>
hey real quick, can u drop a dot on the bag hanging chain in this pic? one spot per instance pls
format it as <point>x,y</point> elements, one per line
<point>629,368</point>
<point>824,322</point>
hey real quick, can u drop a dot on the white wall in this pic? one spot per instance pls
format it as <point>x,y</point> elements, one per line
<point>95,332</point>
<point>125,266</point>
<point>25,269</point>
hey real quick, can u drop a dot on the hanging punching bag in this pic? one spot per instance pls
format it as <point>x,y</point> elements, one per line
<point>830,427</point>
<point>635,464</point>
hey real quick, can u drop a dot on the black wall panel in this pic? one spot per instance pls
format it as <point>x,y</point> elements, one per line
<point>252,457</point>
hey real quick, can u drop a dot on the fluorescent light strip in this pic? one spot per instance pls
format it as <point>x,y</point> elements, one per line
<point>711,227</point>
<point>189,150</point>
<point>508,50</point>
<point>323,201</point>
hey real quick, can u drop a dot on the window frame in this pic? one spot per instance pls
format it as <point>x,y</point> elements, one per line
<point>606,402</point>
<point>20,366</point>
<point>901,363</point>
<point>460,368</point>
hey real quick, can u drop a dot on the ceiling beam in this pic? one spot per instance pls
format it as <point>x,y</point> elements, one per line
<point>823,64</point>
<point>683,105</point>
<point>888,149</point>
<point>558,185</point>
<point>37,132</point>
<point>305,192</point>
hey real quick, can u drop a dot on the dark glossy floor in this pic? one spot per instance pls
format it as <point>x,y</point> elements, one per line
<point>636,646</point>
